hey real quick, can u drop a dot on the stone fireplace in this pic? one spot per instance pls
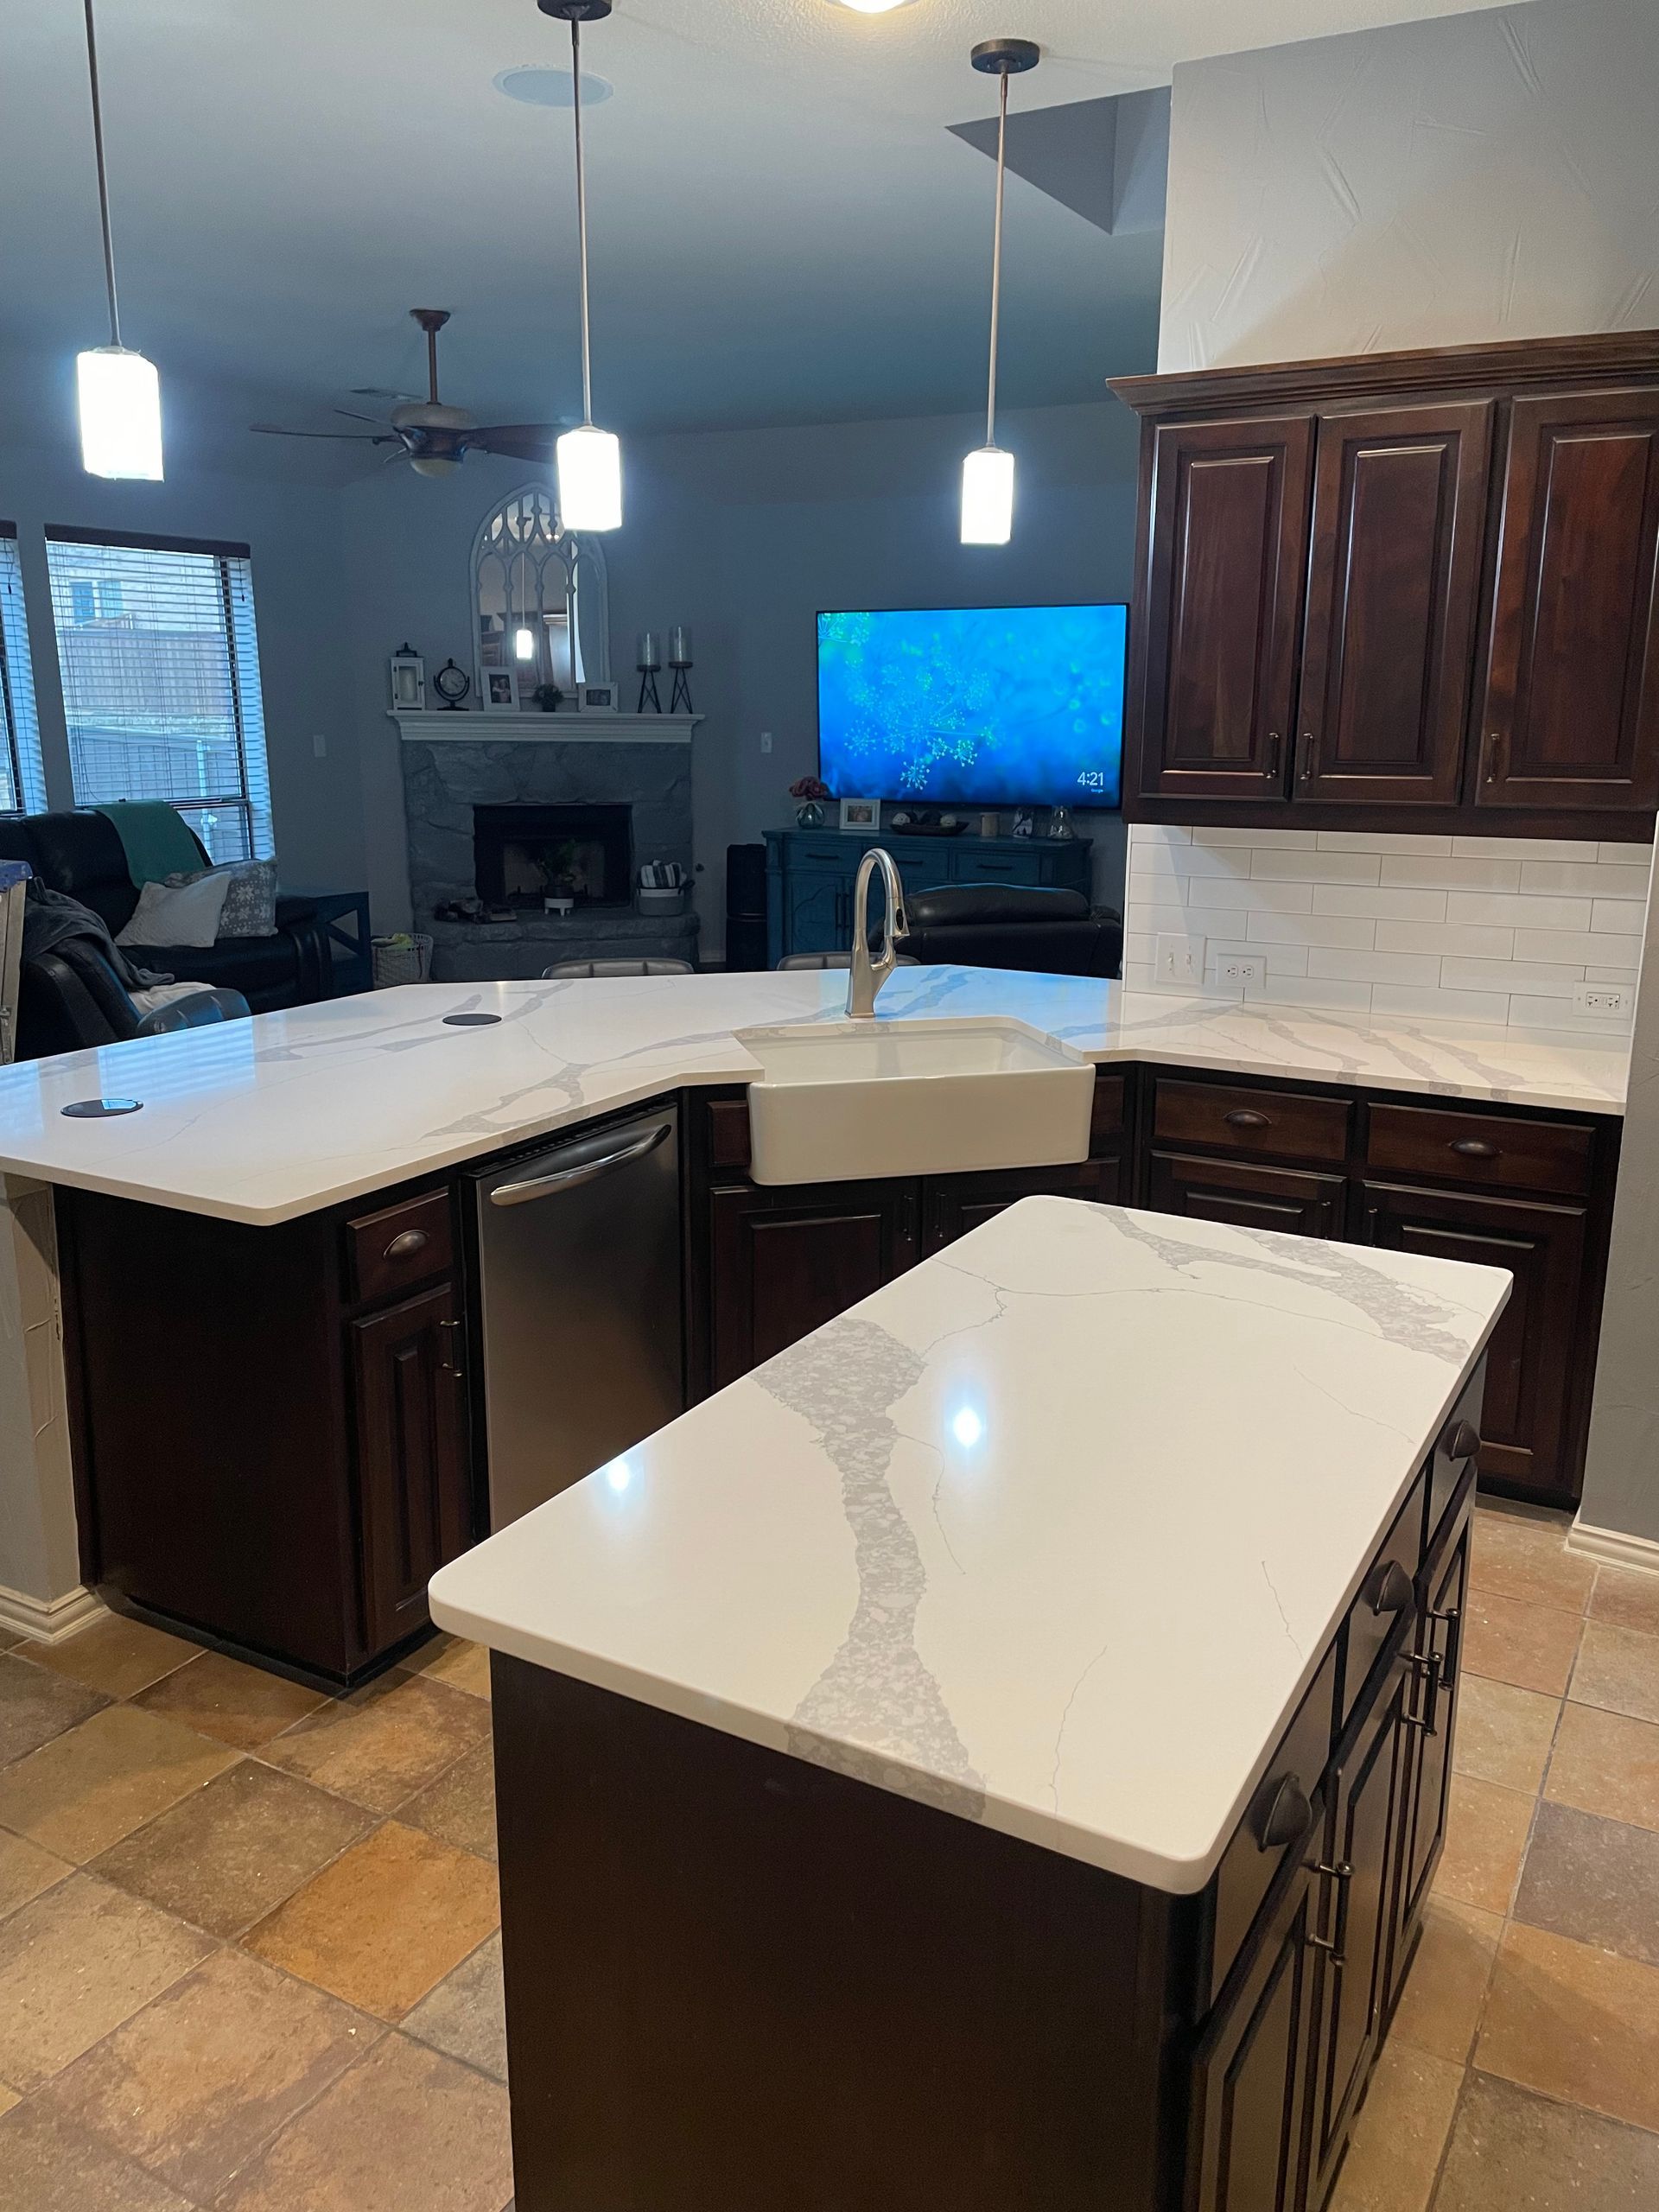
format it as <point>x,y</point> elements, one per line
<point>512,811</point>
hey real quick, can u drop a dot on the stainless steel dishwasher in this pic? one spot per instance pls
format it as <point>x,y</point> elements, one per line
<point>580,1299</point>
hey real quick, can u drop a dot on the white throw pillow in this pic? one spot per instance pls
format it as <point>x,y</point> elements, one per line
<point>185,915</point>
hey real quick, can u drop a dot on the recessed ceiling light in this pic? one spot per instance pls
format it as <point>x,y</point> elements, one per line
<point>537,87</point>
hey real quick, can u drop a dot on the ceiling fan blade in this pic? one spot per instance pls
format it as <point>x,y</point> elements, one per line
<point>352,415</point>
<point>349,437</point>
<point>517,440</point>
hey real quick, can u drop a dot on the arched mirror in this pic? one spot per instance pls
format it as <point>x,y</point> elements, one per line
<point>541,600</point>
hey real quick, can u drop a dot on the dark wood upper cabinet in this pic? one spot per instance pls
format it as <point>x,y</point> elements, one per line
<point>1414,590</point>
<point>1393,594</point>
<point>1571,717</point>
<point>1223,600</point>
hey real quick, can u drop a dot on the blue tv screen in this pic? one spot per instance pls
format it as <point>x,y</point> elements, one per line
<point>992,707</point>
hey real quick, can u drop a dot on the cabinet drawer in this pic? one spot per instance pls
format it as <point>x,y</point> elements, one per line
<point>1482,1148</point>
<point>1285,1123</point>
<point>1386,1596</point>
<point>388,1253</point>
<point>1280,1818</point>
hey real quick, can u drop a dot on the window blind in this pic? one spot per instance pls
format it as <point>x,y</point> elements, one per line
<point>22,784</point>
<point>160,659</point>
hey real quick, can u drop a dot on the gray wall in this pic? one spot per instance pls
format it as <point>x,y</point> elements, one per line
<point>746,535</point>
<point>293,530</point>
<point>1478,176</point>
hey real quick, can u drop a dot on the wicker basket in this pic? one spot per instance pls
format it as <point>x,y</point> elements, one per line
<point>404,958</point>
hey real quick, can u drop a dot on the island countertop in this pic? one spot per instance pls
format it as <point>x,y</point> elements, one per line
<point>1050,1533</point>
<point>264,1120</point>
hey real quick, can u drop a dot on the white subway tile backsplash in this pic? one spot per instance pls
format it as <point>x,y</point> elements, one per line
<point>1281,865</point>
<point>1524,910</point>
<point>1528,1012</point>
<point>1374,967</point>
<point>1597,878</point>
<point>1453,875</point>
<point>1465,938</point>
<point>1471,932</point>
<point>1380,906</point>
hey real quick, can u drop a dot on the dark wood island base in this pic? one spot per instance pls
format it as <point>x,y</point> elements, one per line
<point>737,1982</point>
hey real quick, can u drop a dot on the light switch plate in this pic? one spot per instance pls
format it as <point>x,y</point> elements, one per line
<point>1179,959</point>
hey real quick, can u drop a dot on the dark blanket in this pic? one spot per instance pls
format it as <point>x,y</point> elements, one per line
<point>51,918</point>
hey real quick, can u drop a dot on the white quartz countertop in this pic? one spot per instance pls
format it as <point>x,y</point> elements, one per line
<point>1050,1533</point>
<point>261,1121</point>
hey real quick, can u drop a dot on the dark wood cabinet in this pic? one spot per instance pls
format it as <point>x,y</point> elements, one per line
<point>1248,1196</point>
<point>1571,713</point>
<point>952,1205</point>
<point>1226,565</point>
<point>1414,589</point>
<point>1444,1593</point>
<point>1534,1361</point>
<point>1394,585</point>
<point>413,1491</point>
<point>783,1262</point>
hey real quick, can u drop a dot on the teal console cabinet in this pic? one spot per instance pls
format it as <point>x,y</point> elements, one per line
<point>810,876</point>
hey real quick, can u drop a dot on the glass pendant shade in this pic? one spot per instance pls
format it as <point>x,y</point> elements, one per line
<point>119,396</point>
<point>590,478</point>
<point>988,497</point>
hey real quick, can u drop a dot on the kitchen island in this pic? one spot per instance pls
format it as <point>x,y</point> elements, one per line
<point>995,1753</point>
<point>273,1263</point>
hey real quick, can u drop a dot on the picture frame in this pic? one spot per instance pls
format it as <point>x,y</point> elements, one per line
<point>861,814</point>
<point>500,693</point>
<point>596,698</point>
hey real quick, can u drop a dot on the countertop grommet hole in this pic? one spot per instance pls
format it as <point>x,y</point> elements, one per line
<point>100,1109</point>
<point>471,1021</point>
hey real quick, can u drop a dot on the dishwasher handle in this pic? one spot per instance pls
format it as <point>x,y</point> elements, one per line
<point>585,1170</point>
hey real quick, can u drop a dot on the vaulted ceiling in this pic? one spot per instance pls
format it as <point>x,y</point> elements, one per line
<point>784,225</point>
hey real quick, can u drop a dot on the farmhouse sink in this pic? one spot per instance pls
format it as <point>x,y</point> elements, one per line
<point>836,1101</point>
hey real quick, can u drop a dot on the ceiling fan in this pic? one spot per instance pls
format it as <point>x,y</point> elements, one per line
<point>434,438</point>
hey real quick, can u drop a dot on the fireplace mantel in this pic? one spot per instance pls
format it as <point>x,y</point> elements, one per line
<point>430,728</point>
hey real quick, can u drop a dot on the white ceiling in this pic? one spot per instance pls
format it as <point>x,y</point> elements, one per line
<point>784,228</point>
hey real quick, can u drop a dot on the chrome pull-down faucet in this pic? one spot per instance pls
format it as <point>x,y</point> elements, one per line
<point>868,975</point>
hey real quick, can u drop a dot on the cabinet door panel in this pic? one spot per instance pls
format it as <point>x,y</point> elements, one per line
<point>412,1473</point>
<point>1368,1808</point>
<point>1251,2073</point>
<point>1571,715</point>
<point>1439,1644</point>
<point>952,1205</point>
<point>782,1263</point>
<point>1246,1196</point>
<point>1399,524</point>
<point>1227,560</point>
<point>815,905</point>
<point>1530,1364</point>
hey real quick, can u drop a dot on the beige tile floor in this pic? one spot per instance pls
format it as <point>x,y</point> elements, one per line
<point>249,1956</point>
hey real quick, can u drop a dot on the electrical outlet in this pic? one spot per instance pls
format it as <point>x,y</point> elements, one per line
<point>1241,967</point>
<point>1605,1001</point>
<point>1179,959</point>
<point>765,740</point>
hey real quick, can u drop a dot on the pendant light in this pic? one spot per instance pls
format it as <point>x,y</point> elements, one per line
<point>987,472</point>
<point>117,393</point>
<point>589,459</point>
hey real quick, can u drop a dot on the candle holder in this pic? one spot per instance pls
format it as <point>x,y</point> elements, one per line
<point>679,659</point>
<point>648,659</point>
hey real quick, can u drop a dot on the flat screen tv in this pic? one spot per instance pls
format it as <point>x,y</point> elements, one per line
<point>991,706</point>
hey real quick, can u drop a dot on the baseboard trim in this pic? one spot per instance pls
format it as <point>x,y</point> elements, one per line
<point>1614,1548</point>
<point>48,1620</point>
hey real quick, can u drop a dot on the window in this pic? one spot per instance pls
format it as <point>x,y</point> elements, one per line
<point>160,681</point>
<point>23,786</point>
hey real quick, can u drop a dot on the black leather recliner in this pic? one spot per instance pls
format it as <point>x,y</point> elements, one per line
<point>70,998</point>
<point>80,854</point>
<point>1051,932</point>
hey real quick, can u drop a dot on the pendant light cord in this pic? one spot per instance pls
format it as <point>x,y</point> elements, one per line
<point>103,181</point>
<point>997,255</point>
<point>582,218</point>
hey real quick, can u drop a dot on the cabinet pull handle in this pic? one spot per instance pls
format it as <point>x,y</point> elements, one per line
<point>1459,1440</point>
<point>404,1247</point>
<point>450,1364</point>
<point>1245,1118</point>
<point>1474,1148</point>
<point>1286,1817</point>
<point>1335,1945</point>
<point>1310,755</point>
<point>1275,750</point>
<point>1495,752</point>
<point>1367,1226</point>
<point>1391,1589</point>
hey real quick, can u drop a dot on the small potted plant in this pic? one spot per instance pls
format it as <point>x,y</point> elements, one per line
<point>810,790</point>
<point>548,697</point>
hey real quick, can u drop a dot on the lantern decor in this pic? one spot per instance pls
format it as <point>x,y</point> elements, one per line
<point>407,673</point>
